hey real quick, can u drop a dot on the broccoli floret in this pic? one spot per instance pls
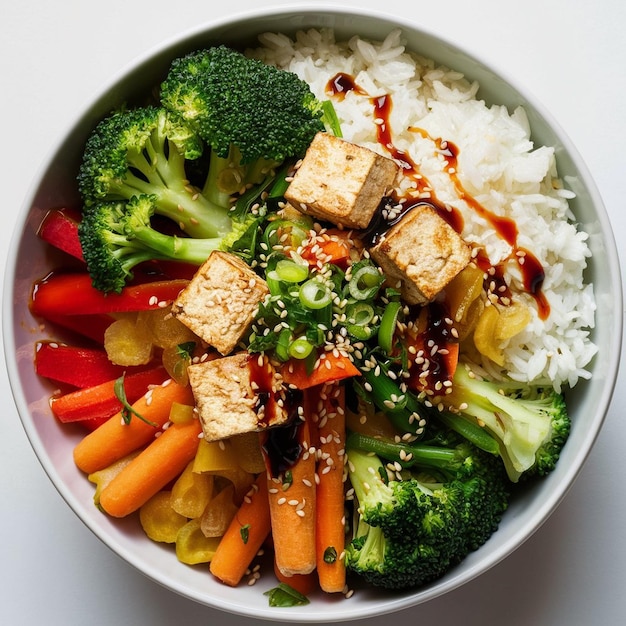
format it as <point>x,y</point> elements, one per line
<point>246,110</point>
<point>145,151</point>
<point>423,511</point>
<point>116,236</point>
<point>530,422</point>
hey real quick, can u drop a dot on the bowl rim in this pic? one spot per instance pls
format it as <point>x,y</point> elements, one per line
<point>392,604</point>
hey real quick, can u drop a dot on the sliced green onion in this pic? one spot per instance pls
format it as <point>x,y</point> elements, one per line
<point>300,348</point>
<point>388,326</point>
<point>365,282</point>
<point>362,333</point>
<point>359,313</point>
<point>315,295</point>
<point>277,229</point>
<point>282,346</point>
<point>273,283</point>
<point>291,272</point>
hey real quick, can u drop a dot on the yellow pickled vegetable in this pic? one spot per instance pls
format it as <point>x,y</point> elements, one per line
<point>127,342</point>
<point>463,299</point>
<point>159,520</point>
<point>191,492</point>
<point>247,448</point>
<point>103,477</point>
<point>164,329</point>
<point>240,479</point>
<point>219,513</point>
<point>495,326</point>
<point>192,546</point>
<point>180,413</point>
<point>215,456</point>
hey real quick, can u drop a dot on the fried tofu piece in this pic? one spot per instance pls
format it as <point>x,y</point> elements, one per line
<point>422,252</point>
<point>341,182</point>
<point>220,301</point>
<point>236,395</point>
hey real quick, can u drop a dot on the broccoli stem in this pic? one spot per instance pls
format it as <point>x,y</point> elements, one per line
<point>159,170</point>
<point>171,247</point>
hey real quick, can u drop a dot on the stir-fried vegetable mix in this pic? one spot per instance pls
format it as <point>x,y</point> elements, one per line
<point>356,440</point>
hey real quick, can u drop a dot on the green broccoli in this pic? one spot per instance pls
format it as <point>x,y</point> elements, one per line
<point>529,422</point>
<point>116,236</point>
<point>423,511</point>
<point>251,114</point>
<point>145,151</point>
<point>203,156</point>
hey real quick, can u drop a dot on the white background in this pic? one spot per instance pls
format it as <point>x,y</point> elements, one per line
<point>54,56</point>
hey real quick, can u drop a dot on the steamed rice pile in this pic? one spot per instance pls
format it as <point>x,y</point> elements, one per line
<point>498,165</point>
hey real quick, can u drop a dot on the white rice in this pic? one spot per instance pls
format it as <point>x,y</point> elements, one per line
<point>498,165</point>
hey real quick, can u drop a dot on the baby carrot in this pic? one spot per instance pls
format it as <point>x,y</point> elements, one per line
<point>330,515</point>
<point>152,469</point>
<point>303,583</point>
<point>244,536</point>
<point>292,509</point>
<point>114,439</point>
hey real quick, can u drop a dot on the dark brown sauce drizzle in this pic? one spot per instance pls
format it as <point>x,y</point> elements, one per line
<point>282,444</point>
<point>531,269</point>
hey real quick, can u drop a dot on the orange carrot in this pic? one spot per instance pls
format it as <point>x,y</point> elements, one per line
<point>331,367</point>
<point>445,360</point>
<point>330,515</point>
<point>244,536</point>
<point>114,439</point>
<point>160,462</point>
<point>303,583</point>
<point>333,246</point>
<point>292,507</point>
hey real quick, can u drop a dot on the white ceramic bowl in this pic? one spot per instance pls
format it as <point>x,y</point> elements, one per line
<point>28,259</point>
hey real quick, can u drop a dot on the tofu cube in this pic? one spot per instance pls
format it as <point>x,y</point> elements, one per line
<point>422,252</point>
<point>220,301</point>
<point>341,182</point>
<point>229,400</point>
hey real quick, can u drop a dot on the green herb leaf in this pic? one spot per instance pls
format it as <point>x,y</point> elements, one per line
<point>287,480</point>
<point>127,410</point>
<point>284,596</point>
<point>245,532</point>
<point>185,350</point>
<point>330,555</point>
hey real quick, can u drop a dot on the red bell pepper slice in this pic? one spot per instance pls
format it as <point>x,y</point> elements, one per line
<point>100,402</point>
<point>59,228</point>
<point>77,366</point>
<point>89,326</point>
<point>73,294</point>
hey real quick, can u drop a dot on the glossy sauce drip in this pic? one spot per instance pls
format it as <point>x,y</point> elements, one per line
<point>437,333</point>
<point>532,272</point>
<point>281,444</point>
<point>282,447</point>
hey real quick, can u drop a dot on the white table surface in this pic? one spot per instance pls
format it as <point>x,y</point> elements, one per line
<point>55,55</point>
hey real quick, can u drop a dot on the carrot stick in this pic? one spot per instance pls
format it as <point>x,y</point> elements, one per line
<point>160,462</point>
<point>115,439</point>
<point>303,583</point>
<point>330,368</point>
<point>292,507</point>
<point>244,536</point>
<point>330,515</point>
